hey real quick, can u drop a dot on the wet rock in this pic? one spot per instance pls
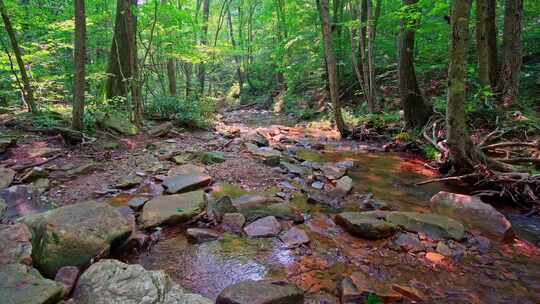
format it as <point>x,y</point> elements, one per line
<point>483,244</point>
<point>258,292</point>
<point>201,235</point>
<point>343,185</point>
<point>317,185</point>
<point>217,209</point>
<point>33,174</point>
<point>409,242</point>
<point>293,169</point>
<point>210,158</point>
<point>410,293</point>
<point>73,235</point>
<point>468,210</point>
<point>81,170</point>
<point>188,182</point>
<point>137,203</point>
<point>20,284</point>
<point>233,222</point>
<point>160,130</point>
<point>268,155</point>
<point>16,246</point>
<point>434,257</point>
<point>346,164</point>
<point>250,201</point>
<point>135,242</point>
<point>129,181</point>
<point>6,177</point>
<point>443,249</point>
<point>333,172</point>
<point>294,237</point>
<point>259,140</point>
<point>120,123</point>
<point>325,199</point>
<point>3,208</point>
<point>171,209</point>
<point>283,211</point>
<point>264,227</point>
<point>433,225</point>
<point>67,276</point>
<point>111,281</point>
<point>310,155</point>
<point>21,200</point>
<point>365,225</point>
<point>357,288</point>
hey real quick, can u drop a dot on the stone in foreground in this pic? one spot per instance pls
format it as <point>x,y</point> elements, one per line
<point>6,177</point>
<point>67,277</point>
<point>265,227</point>
<point>111,281</point>
<point>258,292</point>
<point>201,235</point>
<point>473,213</point>
<point>171,209</point>
<point>294,237</point>
<point>357,288</point>
<point>73,235</point>
<point>434,225</point>
<point>15,245</point>
<point>187,182</point>
<point>20,284</point>
<point>365,225</point>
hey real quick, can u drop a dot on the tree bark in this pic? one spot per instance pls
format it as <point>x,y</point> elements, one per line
<point>491,35</point>
<point>331,68</point>
<point>482,48</point>
<point>79,63</point>
<point>237,58</point>
<point>28,92</point>
<point>136,81</point>
<point>513,51</point>
<point>464,153</point>
<point>204,42</point>
<point>171,74</point>
<point>416,110</point>
<point>372,91</point>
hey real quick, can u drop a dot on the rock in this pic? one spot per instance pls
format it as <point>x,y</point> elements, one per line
<point>344,185</point>
<point>434,257</point>
<point>182,159</point>
<point>434,225</point>
<point>292,168</point>
<point>128,182</point>
<point>217,209</point>
<point>21,200</point>
<point>409,242</point>
<point>294,237</point>
<point>317,185</point>
<point>137,203</point>
<point>259,292</point>
<point>201,235</point>
<point>33,174</point>
<point>111,281</point>
<point>6,177</point>
<point>310,155</point>
<point>483,244</point>
<point>443,249</point>
<point>73,235</point>
<point>20,284</point>
<point>171,209</point>
<point>233,222</point>
<point>81,170</point>
<point>332,172</point>
<point>260,140</point>
<point>268,155</point>
<point>6,142</point>
<point>210,158</point>
<point>3,208</point>
<point>272,160</point>
<point>135,241</point>
<point>346,164</point>
<point>16,246</point>
<point>67,276</point>
<point>186,169</point>
<point>283,211</point>
<point>120,123</point>
<point>468,210</point>
<point>264,227</point>
<point>160,130</point>
<point>410,293</point>
<point>41,184</point>
<point>365,225</point>
<point>188,182</point>
<point>325,199</point>
<point>356,288</point>
<point>250,201</point>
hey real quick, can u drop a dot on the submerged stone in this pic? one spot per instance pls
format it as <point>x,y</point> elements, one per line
<point>201,235</point>
<point>171,209</point>
<point>434,225</point>
<point>259,292</point>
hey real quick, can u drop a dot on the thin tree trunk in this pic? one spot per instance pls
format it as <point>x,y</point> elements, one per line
<point>171,70</point>
<point>237,58</point>
<point>491,35</point>
<point>482,47</point>
<point>136,83</point>
<point>416,110</point>
<point>331,68</point>
<point>188,72</point>
<point>372,91</point>
<point>204,42</point>
<point>28,92</point>
<point>513,51</point>
<point>80,60</point>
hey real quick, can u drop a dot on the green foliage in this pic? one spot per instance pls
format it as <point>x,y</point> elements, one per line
<point>187,113</point>
<point>373,299</point>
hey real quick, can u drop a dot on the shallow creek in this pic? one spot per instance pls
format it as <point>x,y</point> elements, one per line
<point>510,273</point>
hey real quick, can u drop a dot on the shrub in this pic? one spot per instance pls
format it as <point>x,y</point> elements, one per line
<point>194,113</point>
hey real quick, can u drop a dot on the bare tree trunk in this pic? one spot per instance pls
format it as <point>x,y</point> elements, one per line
<point>171,74</point>
<point>372,91</point>
<point>464,154</point>
<point>28,92</point>
<point>188,72</point>
<point>79,63</point>
<point>482,48</point>
<point>491,35</point>
<point>416,110</point>
<point>331,68</point>
<point>204,41</point>
<point>136,83</point>
<point>237,58</point>
<point>513,51</point>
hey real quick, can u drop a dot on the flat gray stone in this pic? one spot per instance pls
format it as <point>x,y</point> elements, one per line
<point>264,227</point>
<point>172,209</point>
<point>294,237</point>
<point>258,292</point>
<point>188,182</point>
<point>434,225</point>
<point>365,225</point>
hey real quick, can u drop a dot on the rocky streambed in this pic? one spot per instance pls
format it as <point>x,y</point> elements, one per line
<point>274,214</point>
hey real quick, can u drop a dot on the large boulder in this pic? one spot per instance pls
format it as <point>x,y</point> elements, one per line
<point>258,292</point>
<point>365,225</point>
<point>111,282</point>
<point>20,284</point>
<point>73,235</point>
<point>473,213</point>
<point>171,209</point>
<point>120,123</point>
<point>434,225</point>
<point>16,245</point>
<point>6,177</point>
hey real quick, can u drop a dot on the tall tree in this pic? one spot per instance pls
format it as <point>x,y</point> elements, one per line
<point>331,68</point>
<point>371,88</point>
<point>204,42</point>
<point>171,69</point>
<point>28,92</point>
<point>79,63</point>
<point>513,51</point>
<point>237,58</point>
<point>415,108</point>
<point>486,42</point>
